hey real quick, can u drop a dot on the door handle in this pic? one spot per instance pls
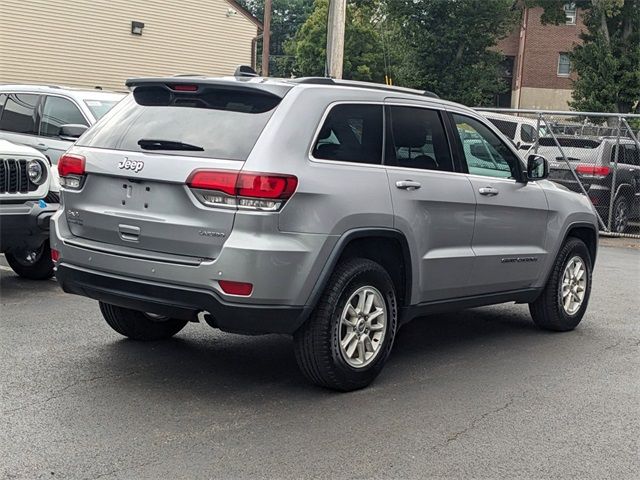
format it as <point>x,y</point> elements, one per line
<point>488,191</point>
<point>408,185</point>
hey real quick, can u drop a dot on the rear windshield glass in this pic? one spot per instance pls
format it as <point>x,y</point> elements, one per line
<point>213,122</point>
<point>569,142</point>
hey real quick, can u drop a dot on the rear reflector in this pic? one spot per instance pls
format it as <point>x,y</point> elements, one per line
<point>55,255</point>
<point>70,164</point>
<point>236,288</point>
<point>593,170</point>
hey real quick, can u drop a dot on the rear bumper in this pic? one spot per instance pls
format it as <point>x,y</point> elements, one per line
<point>24,225</point>
<point>179,302</point>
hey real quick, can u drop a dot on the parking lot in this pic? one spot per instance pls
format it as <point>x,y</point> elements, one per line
<point>477,394</point>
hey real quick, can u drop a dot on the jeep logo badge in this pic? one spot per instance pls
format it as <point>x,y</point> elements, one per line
<point>127,164</point>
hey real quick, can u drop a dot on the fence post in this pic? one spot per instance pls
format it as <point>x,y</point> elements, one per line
<point>612,195</point>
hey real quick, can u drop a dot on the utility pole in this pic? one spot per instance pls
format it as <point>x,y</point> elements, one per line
<point>266,37</point>
<point>335,38</point>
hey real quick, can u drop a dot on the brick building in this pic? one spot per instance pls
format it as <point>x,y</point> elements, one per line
<point>537,66</point>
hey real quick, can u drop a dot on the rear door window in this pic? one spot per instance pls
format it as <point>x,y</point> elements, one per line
<point>19,113</point>
<point>58,111</point>
<point>418,140</point>
<point>351,133</point>
<point>213,122</point>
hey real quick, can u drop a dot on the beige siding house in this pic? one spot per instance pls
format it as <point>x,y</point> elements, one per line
<point>90,42</point>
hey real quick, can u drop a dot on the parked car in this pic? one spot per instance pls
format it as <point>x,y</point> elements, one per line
<point>50,118</point>
<point>330,210</point>
<point>593,160</point>
<point>29,195</point>
<point>521,130</point>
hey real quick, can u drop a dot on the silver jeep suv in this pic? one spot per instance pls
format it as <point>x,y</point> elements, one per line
<point>333,211</point>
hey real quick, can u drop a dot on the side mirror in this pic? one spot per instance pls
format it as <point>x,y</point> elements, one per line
<point>72,131</point>
<point>537,167</point>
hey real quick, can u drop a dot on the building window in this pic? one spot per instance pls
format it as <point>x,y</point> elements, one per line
<point>571,13</point>
<point>564,65</point>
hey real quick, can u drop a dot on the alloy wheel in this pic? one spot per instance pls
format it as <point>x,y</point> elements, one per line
<point>573,285</point>
<point>362,327</point>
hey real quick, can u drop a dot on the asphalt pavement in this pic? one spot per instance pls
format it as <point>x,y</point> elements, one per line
<point>476,394</point>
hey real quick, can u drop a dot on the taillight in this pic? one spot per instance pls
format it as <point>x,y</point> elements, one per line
<point>55,255</point>
<point>248,190</point>
<point>236,288</point>
<point>71,169</point>
<point>592,170</point>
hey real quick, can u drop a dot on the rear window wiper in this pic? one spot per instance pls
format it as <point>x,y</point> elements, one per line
<point>150,144</point>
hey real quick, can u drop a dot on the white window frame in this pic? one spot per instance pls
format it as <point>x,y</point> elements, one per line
<point>571,12</point>
<point>559,73</point>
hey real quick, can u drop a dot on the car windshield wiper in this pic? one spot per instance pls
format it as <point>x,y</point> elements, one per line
<point>149,144</point>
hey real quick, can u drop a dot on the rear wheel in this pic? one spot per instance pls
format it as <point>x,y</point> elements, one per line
<point>563,302</point>
<point>34,264</point>
<point>347,340</point>
<point>139,325</point>
<point>620,215</point>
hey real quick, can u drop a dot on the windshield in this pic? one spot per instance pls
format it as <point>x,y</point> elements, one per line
<point>100,107</point>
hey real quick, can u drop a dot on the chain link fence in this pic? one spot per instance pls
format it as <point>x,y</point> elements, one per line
<point>596,154</point>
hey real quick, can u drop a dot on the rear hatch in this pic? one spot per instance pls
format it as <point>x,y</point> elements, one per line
<point>582,154</point>
<point>138,158</point>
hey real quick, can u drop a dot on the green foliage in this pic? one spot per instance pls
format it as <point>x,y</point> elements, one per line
<point>446,46</point>
<point>286,18</point>
<point>363,56</point>
<point>608,60</point>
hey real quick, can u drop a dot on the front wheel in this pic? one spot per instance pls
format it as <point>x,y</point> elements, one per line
<point>563,302</point>
<point>347,340</point>
<point>34,264</point>
<point>139,325</point>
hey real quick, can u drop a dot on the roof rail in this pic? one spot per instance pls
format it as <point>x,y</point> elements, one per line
<point>357,84</point>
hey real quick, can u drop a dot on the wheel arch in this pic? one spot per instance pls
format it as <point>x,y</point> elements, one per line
<point>586,232</point>
<point>387,246</point>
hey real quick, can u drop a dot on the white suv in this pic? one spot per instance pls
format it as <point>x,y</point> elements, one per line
<point>29,195</point>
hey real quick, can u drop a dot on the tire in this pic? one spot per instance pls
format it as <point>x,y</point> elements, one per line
<point>139,325</point>
<point>319,353</point>
<point>620,220</point>
<point>549,310</point>
<point>32,264</point>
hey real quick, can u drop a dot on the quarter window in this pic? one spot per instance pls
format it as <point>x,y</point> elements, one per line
<point>19,113</point>
<point>351,133</point>
<point>59,111</point>
<point>632,155</point>
<point>508,128</point>
<point>484,152</point>
<point>527,133</point>
<point>418,140</point>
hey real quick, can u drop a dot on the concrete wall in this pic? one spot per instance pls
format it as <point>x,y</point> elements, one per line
<point>541,98</point>
<point>89,42</point>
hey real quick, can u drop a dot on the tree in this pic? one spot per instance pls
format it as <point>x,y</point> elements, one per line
<point>447,46</point>
<point>363,55</point>
<point>286,18</point>
<point>608,60</point>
